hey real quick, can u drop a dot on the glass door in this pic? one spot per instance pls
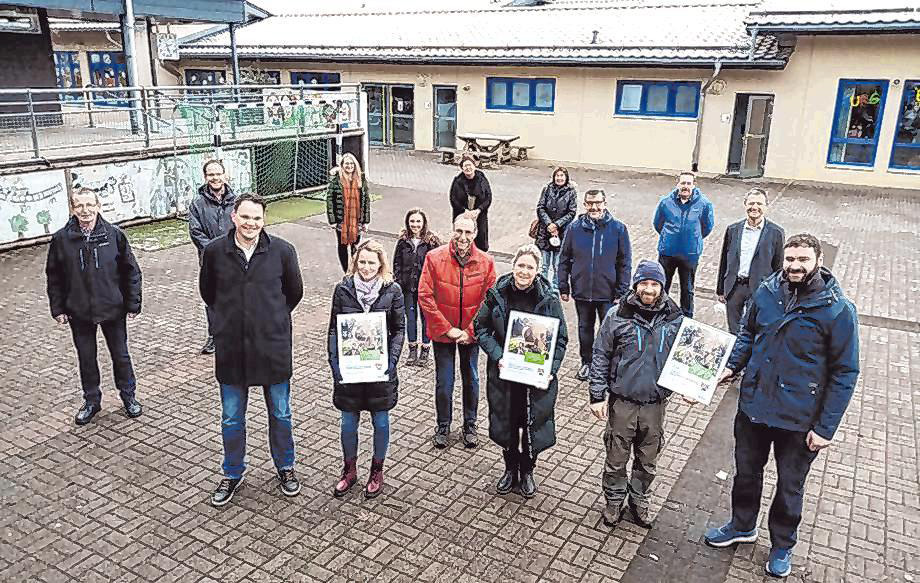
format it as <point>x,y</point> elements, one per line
<point>402,115</point>
<point>757,130</point>
<point>445,116</point>
<point>375,114</point>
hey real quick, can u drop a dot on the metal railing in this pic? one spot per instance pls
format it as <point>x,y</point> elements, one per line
<point>38,124</point>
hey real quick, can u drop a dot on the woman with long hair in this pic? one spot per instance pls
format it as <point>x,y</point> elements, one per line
<point>348,206</point>
<point>413,245</point>
<point>368,286</point>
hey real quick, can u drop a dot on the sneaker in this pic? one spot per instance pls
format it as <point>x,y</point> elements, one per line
<point>133,409</point>
<point>470,439</point>
<point>440,437</point>
<point>289,484</point>
<point>779,563</point>
<point>86,413</point>
<point>423,355</point>
<point>640,513</point>
<point>726,536</point>
<point>582,373</point>
<point>208,347</point>
<point>412,357</point>
<point>225,491</point>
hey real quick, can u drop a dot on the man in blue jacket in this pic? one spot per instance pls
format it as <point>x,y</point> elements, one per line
<point>683,219</point>
<point>799,348</point>
<point>594,267</point>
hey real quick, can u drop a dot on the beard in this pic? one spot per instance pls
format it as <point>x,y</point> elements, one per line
<point>807,275</point>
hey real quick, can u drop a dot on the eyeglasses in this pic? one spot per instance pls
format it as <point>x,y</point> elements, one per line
<point>594,203</point>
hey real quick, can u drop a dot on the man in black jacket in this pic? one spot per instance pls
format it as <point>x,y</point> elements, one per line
<point>752,250</point>
<point>252,283</point>
<point>94,280</point>
<point>209,218</point>
<point>631,348</point>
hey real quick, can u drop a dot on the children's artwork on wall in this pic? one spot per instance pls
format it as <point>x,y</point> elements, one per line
<point>32,205</point>
<point>123,187</point>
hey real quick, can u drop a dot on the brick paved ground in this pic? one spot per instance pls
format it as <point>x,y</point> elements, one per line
<point>126,500</point>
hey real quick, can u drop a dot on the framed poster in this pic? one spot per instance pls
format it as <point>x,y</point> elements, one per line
<point>530,344</point>
<point>362,342</point>
<point>696,360</point>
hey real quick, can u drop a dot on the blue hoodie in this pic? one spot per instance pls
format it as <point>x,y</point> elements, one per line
<point>682,227</point>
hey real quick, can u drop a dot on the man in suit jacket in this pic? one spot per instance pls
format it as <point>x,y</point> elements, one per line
<point>752,250</point>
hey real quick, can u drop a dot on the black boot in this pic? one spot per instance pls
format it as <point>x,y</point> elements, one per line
<point>613,512</point>
<point>424,354</point>
<point>412,358</point>
<point>528,485</point>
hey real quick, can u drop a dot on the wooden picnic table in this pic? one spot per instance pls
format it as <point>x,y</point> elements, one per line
<point>478,144</point>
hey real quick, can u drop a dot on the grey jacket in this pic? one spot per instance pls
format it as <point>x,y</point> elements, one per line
<point>629,351</point>
<point>209,218</point>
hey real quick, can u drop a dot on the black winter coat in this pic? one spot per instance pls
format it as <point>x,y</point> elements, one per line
<point>629,352</point>
<point>478,187</point>
<point>251,307</point>
<point>372,397</point>
<point>491,326</point>
<point>409,260</point>
<point>94,280</point>
<point>209,218</point>
<point>557,205</point>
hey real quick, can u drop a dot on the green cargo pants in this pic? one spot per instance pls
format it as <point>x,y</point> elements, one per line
<point>640,429</point>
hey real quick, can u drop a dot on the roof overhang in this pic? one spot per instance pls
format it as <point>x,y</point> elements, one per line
<point>162,10</point>
<point>887,28</point>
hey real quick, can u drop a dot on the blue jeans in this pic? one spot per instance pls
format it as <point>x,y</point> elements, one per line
<point>381,422</point>
<point>686,274</point>
<point>233,400</point>
<point>413,313</point>
<point>550,268</point>
<point>445,355</point>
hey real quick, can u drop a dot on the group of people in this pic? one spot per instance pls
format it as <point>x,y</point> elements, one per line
<point>796,348</point>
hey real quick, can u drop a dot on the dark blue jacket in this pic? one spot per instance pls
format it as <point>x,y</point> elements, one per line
<point>800,355</point>
<point>597,258</point>
<point>682,227</point>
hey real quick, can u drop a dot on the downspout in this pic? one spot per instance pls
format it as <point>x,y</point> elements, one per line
<point>695,162</point>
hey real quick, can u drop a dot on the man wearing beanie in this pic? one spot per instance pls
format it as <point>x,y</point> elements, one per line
<point>630,350</point>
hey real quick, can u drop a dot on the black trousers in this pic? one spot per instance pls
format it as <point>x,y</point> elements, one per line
<point>519,457</point>
<point>345,251</point>
<point>734,305</point>
<point>116,338</point>
<point>686,274</point>
<point>793,461</point>
<point>588,314</point>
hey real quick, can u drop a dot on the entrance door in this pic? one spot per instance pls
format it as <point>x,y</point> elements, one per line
<point>445,116</point>
<point>390,114</point>
<point>750,133</point>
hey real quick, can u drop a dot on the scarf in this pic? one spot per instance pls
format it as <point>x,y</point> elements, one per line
<point>367,291</point>
<point>351,198</point>
<point>461,259</point>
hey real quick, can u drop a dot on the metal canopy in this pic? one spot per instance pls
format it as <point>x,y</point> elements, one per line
<point>162,10</point>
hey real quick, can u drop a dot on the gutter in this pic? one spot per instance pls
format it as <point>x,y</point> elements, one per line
<point>695,158</point>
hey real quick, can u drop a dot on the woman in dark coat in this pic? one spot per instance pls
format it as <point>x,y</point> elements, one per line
<point>367,287</point>
<point>555,210</point>
<point>413,245</point>
<point>348,206</point>
<point>470,191</point>
<point>521,417</point>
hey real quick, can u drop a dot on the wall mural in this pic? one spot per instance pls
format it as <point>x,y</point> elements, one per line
<point>35,203</point>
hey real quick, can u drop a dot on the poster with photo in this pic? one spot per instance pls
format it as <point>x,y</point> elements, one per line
<point>696,360</point>
<point>530,344</point>
<point>362,339</point>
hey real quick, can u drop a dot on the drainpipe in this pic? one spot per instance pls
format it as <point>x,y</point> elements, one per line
<point>695,162</point>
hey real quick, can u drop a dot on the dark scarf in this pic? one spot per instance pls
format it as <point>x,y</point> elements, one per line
<point>456,254</point>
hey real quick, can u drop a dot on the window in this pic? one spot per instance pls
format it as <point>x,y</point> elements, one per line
<point>107,69</point>
<point>303,78</point>
<point>205,77</point>
<point>67,69</point>
<point>857,120</point>
<point>905,152</point>
<point>660,98</point>
<point>253,76</point>
<point>520,94</point>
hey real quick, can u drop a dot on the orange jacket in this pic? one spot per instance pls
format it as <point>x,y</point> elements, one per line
<point>450,295</point>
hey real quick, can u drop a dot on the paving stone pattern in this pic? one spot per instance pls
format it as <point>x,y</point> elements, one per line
<point>127,500</point>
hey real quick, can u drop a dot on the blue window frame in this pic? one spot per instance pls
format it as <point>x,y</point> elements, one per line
<point>67,70</point>
<point>108,69</point>
<point>520,94</point>
<point>905,151</point>
<point>857,122</point>
<point>658,98</point>
<point>311,78</point>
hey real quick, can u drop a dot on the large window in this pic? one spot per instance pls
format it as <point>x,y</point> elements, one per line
<point>520,94</point>
<point>67,69</point>
<point>308,78</point>
<point>205,77</point>
<point>108,69</point>
<point>906,150</point>
<point>658,98</point>
<point>857,122</point>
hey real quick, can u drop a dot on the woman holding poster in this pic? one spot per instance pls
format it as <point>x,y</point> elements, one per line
<point>366,330</point>
<point>521,323</point>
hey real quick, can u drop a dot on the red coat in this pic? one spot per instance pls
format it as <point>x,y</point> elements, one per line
<point>449,295</point>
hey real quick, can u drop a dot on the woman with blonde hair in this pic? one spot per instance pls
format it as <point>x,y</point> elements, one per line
<point>348,206</point>
<point>368,286</point>
<point>521,417</point>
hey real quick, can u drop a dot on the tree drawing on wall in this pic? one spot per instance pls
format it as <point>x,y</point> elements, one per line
<point>44,219</point>
<point>19,224</point>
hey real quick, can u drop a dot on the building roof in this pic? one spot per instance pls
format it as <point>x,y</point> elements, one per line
<point>74,25</point>
<point>836,16</point>
<point>581,32</point>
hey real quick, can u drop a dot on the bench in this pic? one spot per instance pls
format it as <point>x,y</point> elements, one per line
<point>520,153</point>
<point>448,155</point>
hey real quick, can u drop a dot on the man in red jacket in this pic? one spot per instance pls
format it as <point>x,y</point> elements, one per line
<point>454,282</point>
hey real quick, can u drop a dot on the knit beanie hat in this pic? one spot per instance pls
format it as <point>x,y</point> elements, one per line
<point>648,269</point>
